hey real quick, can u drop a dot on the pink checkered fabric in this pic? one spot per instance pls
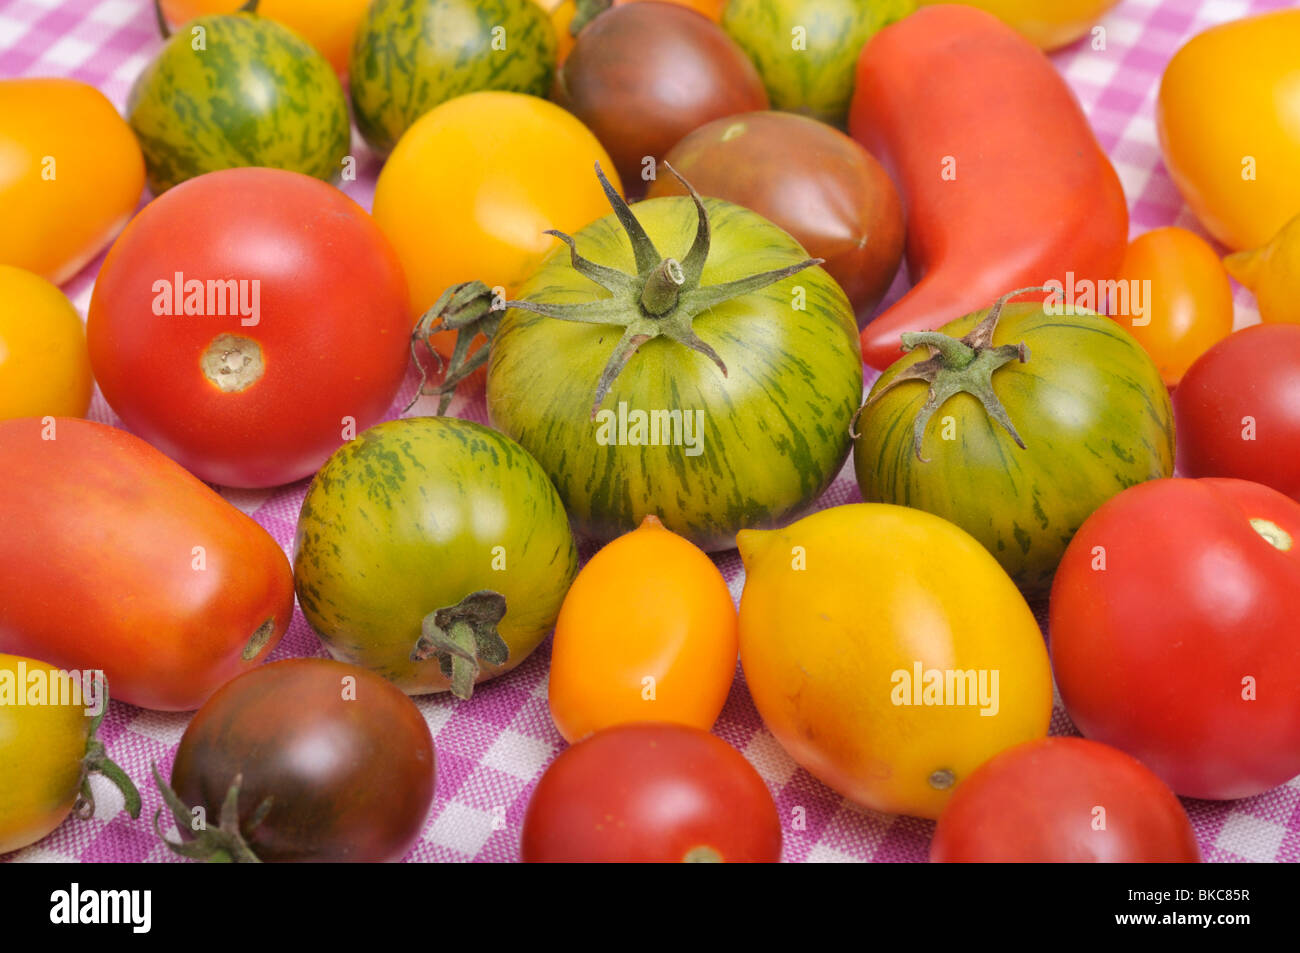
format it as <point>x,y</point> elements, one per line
<point>492,749</point>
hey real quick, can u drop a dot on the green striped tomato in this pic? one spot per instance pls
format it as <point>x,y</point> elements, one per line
<point>708,453</point>
<point>411,55</point>
<point>1088,404</point>
<point>245,91</point>
<point>806,50</point>
<point>432,523</point>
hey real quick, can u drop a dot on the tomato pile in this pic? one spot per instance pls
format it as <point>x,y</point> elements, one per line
<point>653,238</point>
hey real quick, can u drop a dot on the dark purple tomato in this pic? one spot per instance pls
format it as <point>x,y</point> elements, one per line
<point>642,76</point>
<point>813,181</point>
<point>338,761</point>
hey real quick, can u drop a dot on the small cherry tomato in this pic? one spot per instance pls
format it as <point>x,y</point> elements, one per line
<point>1238,409</point>
<point>651,793</point>
<point>1189,304</point>
<point>44,367</point>
<point>647,632</point>
<point>1063,800</point>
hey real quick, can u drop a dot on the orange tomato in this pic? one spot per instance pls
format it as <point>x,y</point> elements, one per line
<point>44,364</point>
<point>473,185</point>
<point>1188,308</point>
<point>328,26</point>
<point>71,174</point>
<point>848,618</point>
<point>1048,23</point>
<point>646,633</point>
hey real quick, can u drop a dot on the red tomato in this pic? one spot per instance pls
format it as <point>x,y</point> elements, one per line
<point>1238,409</point>
<point>291,335</point>
<point>651,793</point>
<point>1174,633</point>
<point>1063,800</point>
<point>112,557</point>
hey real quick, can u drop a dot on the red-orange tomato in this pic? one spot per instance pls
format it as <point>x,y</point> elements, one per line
<point>248,322</point>
<point>1188,308</point>
<point>647,632</point>
<point>114,558</point>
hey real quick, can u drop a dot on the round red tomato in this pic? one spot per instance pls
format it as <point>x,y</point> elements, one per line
<point>1063,800</point>
<point>248,322</point>
<point>644,75</point>
<point>1238,409</point>
<point>1174,636</point>
<point>651,793</point>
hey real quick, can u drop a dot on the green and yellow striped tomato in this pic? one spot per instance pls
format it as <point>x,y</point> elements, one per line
<point>731,410</point>
<point>238,90</point>
<point>48,749</point>
<point>411,55</point>
<point>1087,403</point>
<point>806,50</point>
<point>433,551</point>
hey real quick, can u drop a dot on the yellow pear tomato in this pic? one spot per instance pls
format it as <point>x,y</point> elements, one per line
<point>1273,274</point>
<point>888,652</point>
<point>71,174</point>
<point>44,365</point>
<point>647,632</point>
<point>1048,23</point>
<point>328,26</point>
<point>1228,117</point>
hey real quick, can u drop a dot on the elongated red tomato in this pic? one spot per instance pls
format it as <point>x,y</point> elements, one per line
<point>248,322</point>
<point>112,557</point>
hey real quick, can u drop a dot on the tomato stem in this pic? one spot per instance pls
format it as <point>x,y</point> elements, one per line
<point>585,11</point>
<point>224,844</point>
<point>463,638</point>
<point>97,761</point>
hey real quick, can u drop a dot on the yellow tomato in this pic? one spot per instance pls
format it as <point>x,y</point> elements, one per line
<point>1229,123</point>
<point>1273,274</point>
<point>647,632</point>
<point>471,188</point>
<point>44,365</point>
<point>328,26</point>
<point>71,174</point>
<point>849,620</point>
<point>1048,23</point>
<point>1188,308</point>
<point>46,748</point>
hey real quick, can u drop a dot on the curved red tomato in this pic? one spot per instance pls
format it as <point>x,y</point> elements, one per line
<point>1238,409</point>
<point>248,322</point>
<point>1174,633</point>
<point>114,558</point>
<point>1063,800</point>
<point>651,793</point>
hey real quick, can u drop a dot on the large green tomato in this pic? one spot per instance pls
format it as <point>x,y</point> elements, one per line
<point>713,389</point>
<point>238,90</point>
<point>807,50</point>
<point>433,551</point>
<point>1086,402</point>
<point>411,55</point>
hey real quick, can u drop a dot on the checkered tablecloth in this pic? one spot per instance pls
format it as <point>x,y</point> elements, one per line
<point>492,749</point>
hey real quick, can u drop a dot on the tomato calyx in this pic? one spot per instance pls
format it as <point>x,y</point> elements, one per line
<point>1272,534</point>
<point>249,7</point>
<point>463,637</point>
<point>957,366</point>
<point>224,844</point>
<point>97,761</point>
<point>585,12</point>
<point>662,299</point>
<point>702,855</point>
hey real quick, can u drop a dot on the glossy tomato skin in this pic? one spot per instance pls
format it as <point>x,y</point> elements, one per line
<point>651,793</point>
<point>649,606</point>
<point>346,758</point>
<point>257,396</point>
<point>1238,409</point>
<point>839,611</point>
<point>44,368</point>
<point>644,75</point>
<point>115,558</point>
<point>1038,803</point>
<point>813,181</point>
<point>1190,306</point>
<point>71,173</point>
<point>1173,633</point>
